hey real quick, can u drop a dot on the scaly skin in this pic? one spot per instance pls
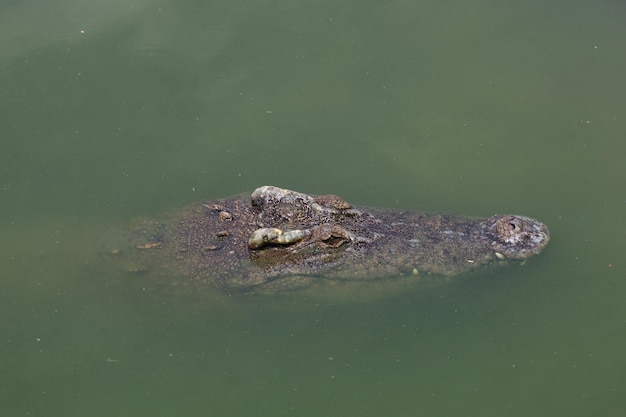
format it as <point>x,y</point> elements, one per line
<point>285,239</point>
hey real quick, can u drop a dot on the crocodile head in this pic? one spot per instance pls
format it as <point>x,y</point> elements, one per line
<point>516,237</point>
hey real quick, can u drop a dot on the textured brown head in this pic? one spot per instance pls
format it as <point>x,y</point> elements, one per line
<point>516,237</point>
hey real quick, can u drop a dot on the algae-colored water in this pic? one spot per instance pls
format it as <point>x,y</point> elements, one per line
<point>114,110</point>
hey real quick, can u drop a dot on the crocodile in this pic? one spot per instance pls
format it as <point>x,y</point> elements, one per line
<point>284,239</point>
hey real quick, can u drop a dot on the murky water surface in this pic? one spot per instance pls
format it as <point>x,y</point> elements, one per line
<point>114,110</point>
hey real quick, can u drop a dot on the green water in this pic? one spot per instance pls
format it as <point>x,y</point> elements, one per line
<point>112,110</point>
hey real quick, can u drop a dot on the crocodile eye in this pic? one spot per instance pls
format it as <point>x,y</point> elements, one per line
<point>335,241</point>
